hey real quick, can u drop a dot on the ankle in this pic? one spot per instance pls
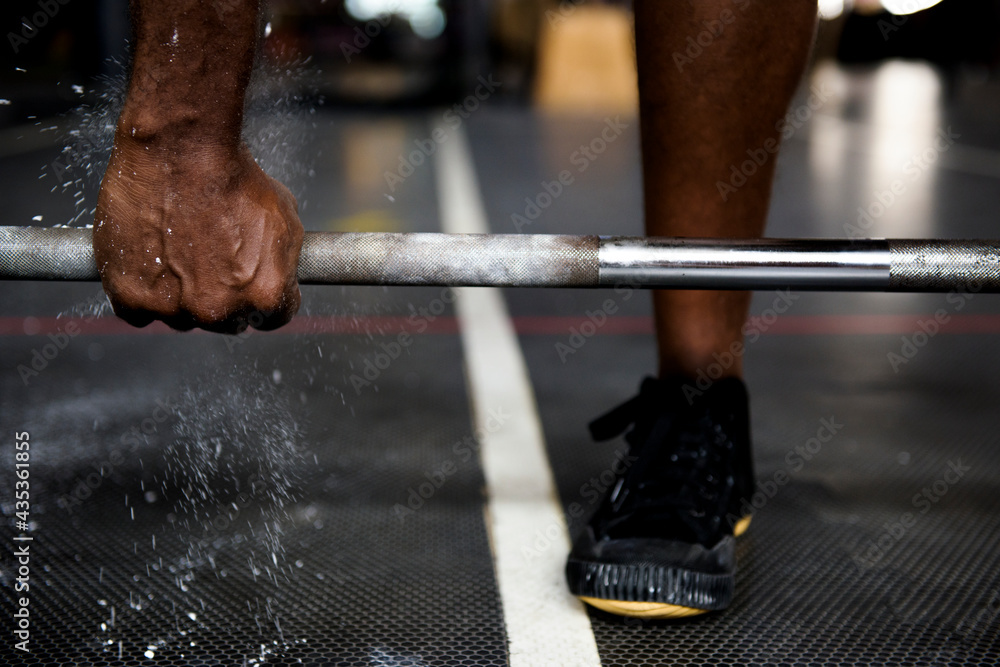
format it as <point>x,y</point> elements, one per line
<point>713,365</point>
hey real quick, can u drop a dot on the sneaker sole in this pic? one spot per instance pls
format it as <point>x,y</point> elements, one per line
<point>656,610</point>
<point>653,610</point>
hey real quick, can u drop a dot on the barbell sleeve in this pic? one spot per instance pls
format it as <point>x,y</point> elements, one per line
<point>543,260</point>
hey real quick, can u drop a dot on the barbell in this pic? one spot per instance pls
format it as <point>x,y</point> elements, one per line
<point>545,260</point>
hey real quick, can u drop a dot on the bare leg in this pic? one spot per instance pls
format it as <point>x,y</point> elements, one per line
<point>700,114</point>
<point>715,78</point>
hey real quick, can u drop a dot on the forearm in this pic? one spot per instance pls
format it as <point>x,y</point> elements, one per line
<point>188,229</point>
<point>191,66</point>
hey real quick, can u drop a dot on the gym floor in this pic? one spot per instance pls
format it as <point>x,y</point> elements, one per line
<point>370,485</point>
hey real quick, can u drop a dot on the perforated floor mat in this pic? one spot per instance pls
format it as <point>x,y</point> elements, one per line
<point>119,577</point>
<point>849,561</point>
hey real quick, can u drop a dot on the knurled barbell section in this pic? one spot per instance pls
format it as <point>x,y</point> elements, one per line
<point>503,260</point>
<point>943,266</point>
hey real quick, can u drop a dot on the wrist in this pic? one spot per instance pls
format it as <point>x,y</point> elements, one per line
<point>178,131</point>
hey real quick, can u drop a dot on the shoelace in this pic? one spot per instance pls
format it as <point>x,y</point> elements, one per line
<point>696,486</point>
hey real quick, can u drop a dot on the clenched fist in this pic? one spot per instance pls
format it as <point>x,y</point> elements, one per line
<point>188,229</point>
<point>195,235</point>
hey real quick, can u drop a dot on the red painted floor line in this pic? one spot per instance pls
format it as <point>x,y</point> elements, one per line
<point>788,325</point>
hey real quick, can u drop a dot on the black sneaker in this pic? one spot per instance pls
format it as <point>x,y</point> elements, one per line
<point>662,542</point>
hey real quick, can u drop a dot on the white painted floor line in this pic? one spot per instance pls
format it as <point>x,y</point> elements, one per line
<point>545,624</point>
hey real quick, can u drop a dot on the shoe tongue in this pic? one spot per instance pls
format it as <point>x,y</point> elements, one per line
<point>669,452</point>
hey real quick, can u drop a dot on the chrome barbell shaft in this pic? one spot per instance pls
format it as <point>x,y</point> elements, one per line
<point>540,260</point>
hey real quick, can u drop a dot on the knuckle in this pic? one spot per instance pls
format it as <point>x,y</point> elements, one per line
<point>276,298</point>
<point>207,311</point>
<point>267,300</point>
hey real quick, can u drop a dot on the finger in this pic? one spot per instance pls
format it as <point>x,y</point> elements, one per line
<point>136,317</point>
<point>271,319</point>
<point>178,322</point>
<point>232,324</point>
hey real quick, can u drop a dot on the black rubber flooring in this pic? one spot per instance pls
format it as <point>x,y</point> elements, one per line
<point>199,500</point>
<point>300,552</point>
<point>874,541</point>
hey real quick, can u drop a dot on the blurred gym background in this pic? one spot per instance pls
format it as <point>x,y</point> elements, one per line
<point>894,75</point>
<point>560,56</point>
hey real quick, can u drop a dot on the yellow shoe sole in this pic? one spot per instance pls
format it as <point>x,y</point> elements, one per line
<point>742,525</point>
<point>656,610</point>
